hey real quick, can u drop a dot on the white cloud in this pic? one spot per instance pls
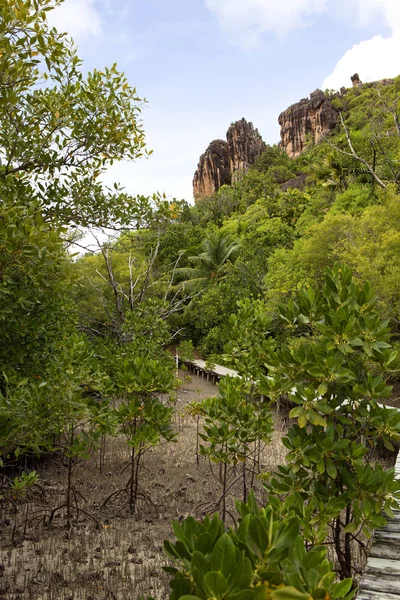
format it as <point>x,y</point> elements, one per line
<point>376,58</point>
<point>387,10</point>
<point>79,18</point>
<point>247,20</point>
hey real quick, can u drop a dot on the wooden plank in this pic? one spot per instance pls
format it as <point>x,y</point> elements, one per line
<point>373,595</point>
<point>381,580</point>
<point>387,585</point>
<point>383,565</point>
<point>387,535</point>
<point>388,550</point>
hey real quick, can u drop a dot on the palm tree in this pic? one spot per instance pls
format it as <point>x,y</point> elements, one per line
<point>209,264</point>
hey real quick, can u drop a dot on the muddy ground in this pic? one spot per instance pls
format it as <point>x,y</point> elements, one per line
<point>123,559</point>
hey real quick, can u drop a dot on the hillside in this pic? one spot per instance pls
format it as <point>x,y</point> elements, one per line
<point>326,193</point>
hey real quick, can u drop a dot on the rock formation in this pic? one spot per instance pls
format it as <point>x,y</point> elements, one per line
<point>222,161</point>
<point>306,121</point>
<point>245,144</point>
<point>213,170</point>
<point>355,80</point>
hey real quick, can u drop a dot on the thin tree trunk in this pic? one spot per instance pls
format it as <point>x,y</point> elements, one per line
<point>132,483</point>
<point>197,441</point>
<point>137,480</point>
<point>69,483</point>
<point>224,491</point>
<point>244,481</point>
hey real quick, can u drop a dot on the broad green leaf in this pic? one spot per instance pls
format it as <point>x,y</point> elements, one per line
<point>223,555</point>
<point>216,584</point>
<point>342,588</point>
<point>331,469</point>
<point>296,412</point>
<point>351,527</point>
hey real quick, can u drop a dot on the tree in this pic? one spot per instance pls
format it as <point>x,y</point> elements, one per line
<point>142,416</point>
<point>60,130</point>
<point>333,369</point>
<point>209,264</point>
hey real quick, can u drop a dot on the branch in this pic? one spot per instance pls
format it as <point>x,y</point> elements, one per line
<point>118,299</point>
<point>353,153</point>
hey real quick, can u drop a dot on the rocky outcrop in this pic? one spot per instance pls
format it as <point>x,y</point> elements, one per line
<point>306,121</point>
<point>245,144</point>
<point>298,182</point>
<point>222,161</point>
<point>213,170</point>
<point>355,80</point>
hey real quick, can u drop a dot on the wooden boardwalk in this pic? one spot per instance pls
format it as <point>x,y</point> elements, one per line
<point>381,579</point>
<point>199,368</point>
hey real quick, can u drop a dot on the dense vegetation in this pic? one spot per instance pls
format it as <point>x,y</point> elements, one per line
<point>254,276</point>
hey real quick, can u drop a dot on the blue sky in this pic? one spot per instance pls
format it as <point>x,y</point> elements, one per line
<point>202,64</point>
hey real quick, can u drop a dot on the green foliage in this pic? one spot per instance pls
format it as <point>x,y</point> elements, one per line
<point>60,129</point>
<point>262,558</point>
<point>330,376</point>
<point>209,265</point>
<point>235,424</point>
<point>354,200</point>
<point>142,416</point>
<point>34,279</point>
<point>250,341</point>
<point>234,420</point>
<point>186,350</point>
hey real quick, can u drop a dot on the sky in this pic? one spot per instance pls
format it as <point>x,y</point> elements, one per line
<point>202,64</point>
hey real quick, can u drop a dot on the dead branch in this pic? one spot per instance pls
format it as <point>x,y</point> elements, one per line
<point>353,153</point>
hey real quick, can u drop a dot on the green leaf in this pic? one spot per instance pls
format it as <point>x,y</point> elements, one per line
<point>289,534</point>
<point>242,595</point>
<point>242,575</point>
<point>200,563</point>
<point>223,555</point>
<point>331,469</point>
<point>288,593</point>
<point>203,543</point>
<point>215,584</point>
<point>302,420</point>
<point>170,550</point>
<point>351,528</point>
<point>323,388</point>
<point>342,588</point>
<point>317,419</point>
<point>296,412</point>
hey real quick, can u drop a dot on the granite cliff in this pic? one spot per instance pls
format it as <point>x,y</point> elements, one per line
<point>305,121</point>
<point>223,160</point>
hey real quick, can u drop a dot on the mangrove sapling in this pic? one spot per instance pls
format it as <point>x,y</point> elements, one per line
<point>78,414</point>
<point>77,445</point>
<point>234,421</point>
<point>141,416</point>
<point>14,492</point>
